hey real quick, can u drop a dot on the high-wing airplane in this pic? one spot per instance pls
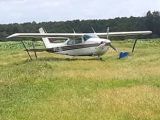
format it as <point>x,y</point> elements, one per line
<point>76,44</point>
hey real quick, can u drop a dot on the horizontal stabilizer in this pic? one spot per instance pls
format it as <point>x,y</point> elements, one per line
<point>39,50</point>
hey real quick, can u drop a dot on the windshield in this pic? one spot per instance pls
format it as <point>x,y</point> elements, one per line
<point>88,36</point>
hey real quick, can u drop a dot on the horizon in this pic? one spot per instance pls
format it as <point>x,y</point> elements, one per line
<point>75,19</point>
<point>22,11</point>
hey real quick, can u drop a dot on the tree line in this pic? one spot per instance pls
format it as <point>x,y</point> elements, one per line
<point>151,21</point>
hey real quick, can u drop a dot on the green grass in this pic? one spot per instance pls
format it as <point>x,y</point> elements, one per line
<point>54,87</point>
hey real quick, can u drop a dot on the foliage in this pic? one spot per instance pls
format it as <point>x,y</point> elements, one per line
<point>149,22</point>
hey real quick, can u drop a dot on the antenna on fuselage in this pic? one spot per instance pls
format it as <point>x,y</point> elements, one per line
<point>93,30</point>
<point>73,30</point>
<point>107,32</point>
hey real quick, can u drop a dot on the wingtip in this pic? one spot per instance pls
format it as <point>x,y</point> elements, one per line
<point>8,37</point>
<point>11,36</point>
<point>149,32</point>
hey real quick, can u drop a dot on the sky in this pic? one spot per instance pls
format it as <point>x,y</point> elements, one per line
<point>20,11</point>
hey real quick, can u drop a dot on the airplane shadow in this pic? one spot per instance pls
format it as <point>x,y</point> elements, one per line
<point>53,59</point>
<point>66,59</point>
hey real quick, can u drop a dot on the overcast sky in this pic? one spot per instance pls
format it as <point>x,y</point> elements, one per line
<point>19,11</point>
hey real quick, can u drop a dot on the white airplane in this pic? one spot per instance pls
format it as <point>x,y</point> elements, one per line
<point>76,44</point>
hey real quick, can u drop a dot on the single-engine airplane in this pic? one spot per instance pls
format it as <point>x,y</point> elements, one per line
<point>76,44</point>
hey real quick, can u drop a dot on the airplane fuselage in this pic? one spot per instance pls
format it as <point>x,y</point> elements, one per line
<point>91,47</point>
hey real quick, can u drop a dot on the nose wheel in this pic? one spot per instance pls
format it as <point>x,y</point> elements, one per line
<point>99,58</point>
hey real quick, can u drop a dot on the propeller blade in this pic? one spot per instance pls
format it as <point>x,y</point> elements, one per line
<point>113,48</point>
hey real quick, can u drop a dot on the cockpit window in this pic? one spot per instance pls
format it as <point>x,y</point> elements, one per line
<point>76,41</point>
<point>80,40</point>
<point>71,42</point>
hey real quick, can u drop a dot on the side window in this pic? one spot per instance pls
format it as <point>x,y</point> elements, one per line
<point>71,42</point>
<point>78,40</point>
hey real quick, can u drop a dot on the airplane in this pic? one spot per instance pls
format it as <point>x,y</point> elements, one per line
<point>76,44</point>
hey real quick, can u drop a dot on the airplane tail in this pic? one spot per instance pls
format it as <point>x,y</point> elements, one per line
<point>45,39</point>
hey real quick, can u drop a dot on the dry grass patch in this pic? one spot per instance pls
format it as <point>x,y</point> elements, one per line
<point>140,102</point>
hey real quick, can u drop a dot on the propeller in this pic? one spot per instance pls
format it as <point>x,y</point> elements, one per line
<point>114,48</point>
<point>109,44</point>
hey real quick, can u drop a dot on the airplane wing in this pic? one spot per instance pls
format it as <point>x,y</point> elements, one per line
<point>69,35</point>
<point>131,33</point>
<point>48,35</point>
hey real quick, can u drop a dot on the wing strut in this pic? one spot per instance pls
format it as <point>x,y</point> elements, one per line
<point>134,45</point>
<point>26,50</point>
<point>33,44</point>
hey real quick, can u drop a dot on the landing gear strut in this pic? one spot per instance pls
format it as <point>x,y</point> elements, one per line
<point>134,45</point>
<point>27,50</point>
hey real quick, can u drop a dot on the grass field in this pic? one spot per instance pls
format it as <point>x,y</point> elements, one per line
<point>56,88</point>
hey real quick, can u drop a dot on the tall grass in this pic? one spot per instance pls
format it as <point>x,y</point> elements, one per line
<point>55,87</point>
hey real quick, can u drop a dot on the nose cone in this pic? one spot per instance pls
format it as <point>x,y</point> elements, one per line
<point>105,41</point>
<point>108,41</point>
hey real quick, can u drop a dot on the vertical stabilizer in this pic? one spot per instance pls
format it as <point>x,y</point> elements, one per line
<point>45,39</point>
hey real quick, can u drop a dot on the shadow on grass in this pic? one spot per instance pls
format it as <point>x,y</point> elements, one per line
<point>56,59</point>
<point>65,59</point>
